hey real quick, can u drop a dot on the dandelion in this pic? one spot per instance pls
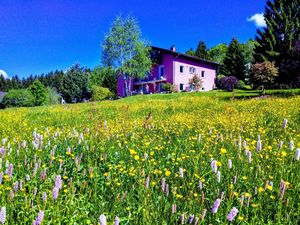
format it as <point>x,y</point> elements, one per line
<point>117,221</point>
<point>297,156</point>
<point>40,217</point>
<point>285,122</point>
<point>55,193</point>
<point>234,211</point>
<point>180,172</point>
<point>216,206</point>
<point>102,219</point>
<point>3,215</point>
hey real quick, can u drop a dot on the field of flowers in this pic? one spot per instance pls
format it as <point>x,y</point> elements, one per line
<point>161,159</point>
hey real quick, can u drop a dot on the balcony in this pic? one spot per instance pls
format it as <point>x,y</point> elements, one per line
<point>149,80</point>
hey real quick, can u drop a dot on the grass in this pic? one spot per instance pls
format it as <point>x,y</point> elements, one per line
<point>106,152</point>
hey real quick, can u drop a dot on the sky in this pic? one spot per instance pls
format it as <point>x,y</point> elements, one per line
<point>40,36</point>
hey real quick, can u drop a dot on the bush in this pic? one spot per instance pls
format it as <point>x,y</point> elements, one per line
<point>52,96</point>
<point>241,85</point>
<point>167,87</point>
<point>264,74</point>
<point>100,93</point>
<point>18,98</point>
<point>228,83</point>
<point>39,92</point>
<point>218,81</point>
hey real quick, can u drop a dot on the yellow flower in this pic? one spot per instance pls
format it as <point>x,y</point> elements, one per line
<point>223,151</point>
<point>244,178</point>
<point>254,205</point>
<point>261,189</point>
<point>132,151</point>
<point>247,195</point>
<point>241,218</point>
<point>168,173</point>
<point>136,157</point>
<point>283,154</point>
<point>219,163</point>
<point>269,187</point>
<point>272,197</point>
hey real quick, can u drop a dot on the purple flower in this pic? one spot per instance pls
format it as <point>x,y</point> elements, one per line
<point>167,190</point>
<point>218,176</point>
<point>16,186</point>
<point>58,182</point>
<point>292,145</point>
<point>44,196</point>
<point>249,156</point>
<point>40,217</point>
<point>174,208</point>
<point>297,154</point>
<point>102,219</point>
<point>180,172</point>
<point>1,176</point>
<point>9,171</point>
<point>216,206</point>
<point>117,221</point>
<point>182,219</point>
<point>3,215</point>
<point>11,194</point>
<point>191,218</point>
<point>27,178</point>
<point>214,165</point>
<point>229,163</point>
<point>196,220</point>
<point>234,211</point>
<point>34,191</point>
<point>163,184</point>
<point>282,189</point>
<point>55,193</point>
<point>258,146</point>
<point>203,214</point>
<point>285,122</point>
<point>147,182</point>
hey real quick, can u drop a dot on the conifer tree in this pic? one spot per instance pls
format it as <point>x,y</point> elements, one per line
<point>201,50</point>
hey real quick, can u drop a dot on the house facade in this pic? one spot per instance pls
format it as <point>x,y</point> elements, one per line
<point>171,67</point>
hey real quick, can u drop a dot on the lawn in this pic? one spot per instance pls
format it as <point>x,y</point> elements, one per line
<point>155,159</point>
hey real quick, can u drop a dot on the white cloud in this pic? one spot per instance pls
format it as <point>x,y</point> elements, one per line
<point>4,74</point>
<point>258,19</point>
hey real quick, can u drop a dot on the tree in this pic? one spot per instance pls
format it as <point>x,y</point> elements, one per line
<point>201,50</point>
<point>190,52</point>
<point>75,84</point>
<point>275,41</point>
<point>39,92</point>
<point>264,74</point>
<point>218,53</point>
<point>18,98</point>
<point>125,52</point>
<point>101,93</point>
<point>196,82</point>
<point>234,62</point>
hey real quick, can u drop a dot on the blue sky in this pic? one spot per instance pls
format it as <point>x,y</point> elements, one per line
<point>39,36</point>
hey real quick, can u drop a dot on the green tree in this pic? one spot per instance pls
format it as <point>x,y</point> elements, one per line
<point>101,93</point>
<point>190,52</point>
<point>218,53</point>
<point>105,77</point>
<point>39,92</point>
<point>18,98</point>
<point>75,84</point>
<point>264,74</point>
<point>201,50</point>
<point>275,42</point>
<point>234,62</point>
<point>125,51</point>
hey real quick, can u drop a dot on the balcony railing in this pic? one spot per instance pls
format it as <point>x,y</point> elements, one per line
<point>149,80</point>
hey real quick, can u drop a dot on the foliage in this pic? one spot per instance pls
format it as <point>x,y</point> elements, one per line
<point>167,87</point>
<point>234,62</point>
<point>190,52</point>
<point>228,83</point>
<point>53,97</point>
<point>39,92</point>
<point>241,84</point>
<point>100,93</point>
<point>196,82</point>
<point>18,98</point>
<point>264,74</point>
<point>218,53</point>
<point>105,152</point>
<point>75,84</point>
<point>105,77</point>
<point>125,52</point>
<point>201,50</point>
<point>276,40</point>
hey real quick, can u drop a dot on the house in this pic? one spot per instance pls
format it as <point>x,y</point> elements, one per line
<point>171,67</point>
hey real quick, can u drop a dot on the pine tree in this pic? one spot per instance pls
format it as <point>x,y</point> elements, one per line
<point>201,50</point>
<point>275,42</point>
<point>234,62</point>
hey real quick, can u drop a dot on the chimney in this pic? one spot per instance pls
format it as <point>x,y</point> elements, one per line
<point>173,48</point>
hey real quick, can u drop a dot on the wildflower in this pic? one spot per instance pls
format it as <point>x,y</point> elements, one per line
<point>40,217</point>
<point>34,191</point>
<point>223,151</point>
<point>280,144</point>
<point>58,182</point>
<point>163,184</point>
<point>199,138</point>
<point>297,154</point>
<point>191,218</point>
<point>234,211</point>
<point>216,206</point>
<point>147,182</point>
<point>117,221</point>
<point>3,215</point>
<point>167,190</point>
<point>16,186</point>
<point>9,171</point>
<point>27,178</point>
<point>218,176</point>
<point>11,194</point>
<point>282,189</point>
<point>249,156</point>
<point>229,163</point>
<point>44,196</point>
<point>55,193</point>
<point>182,218</point>
<point>258,146</point>
<point>173,208</point>
<point>168,173</point>
<point>102,219</point>
<point>292,145</point>
<point>180,172</point>
<point>284,125</point>
<point>200,185</point>
<point>203,214</point>
<point>196,220</point>
<point>214,165</point>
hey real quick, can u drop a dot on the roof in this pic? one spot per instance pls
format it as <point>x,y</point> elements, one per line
<point>195,58</point>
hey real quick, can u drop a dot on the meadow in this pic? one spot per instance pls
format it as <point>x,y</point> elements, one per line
<point>191,158</point>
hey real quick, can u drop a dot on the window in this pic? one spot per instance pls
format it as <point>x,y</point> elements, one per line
<point>161,71</point>
<point>181,87</point>
<point>192,69</point>
<point>181,69</point>
<point>202,73</point>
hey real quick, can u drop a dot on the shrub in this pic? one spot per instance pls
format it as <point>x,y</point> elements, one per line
<point>167,87</point>
<point>100,93</point>
<point>196,82</point>
<point>39,92</point>
<point>241,84</point>
<point>52,96</point>
<point>228,83</point>
<point>218,80</point>
<point>264,74</point>
<point>18,98</point>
